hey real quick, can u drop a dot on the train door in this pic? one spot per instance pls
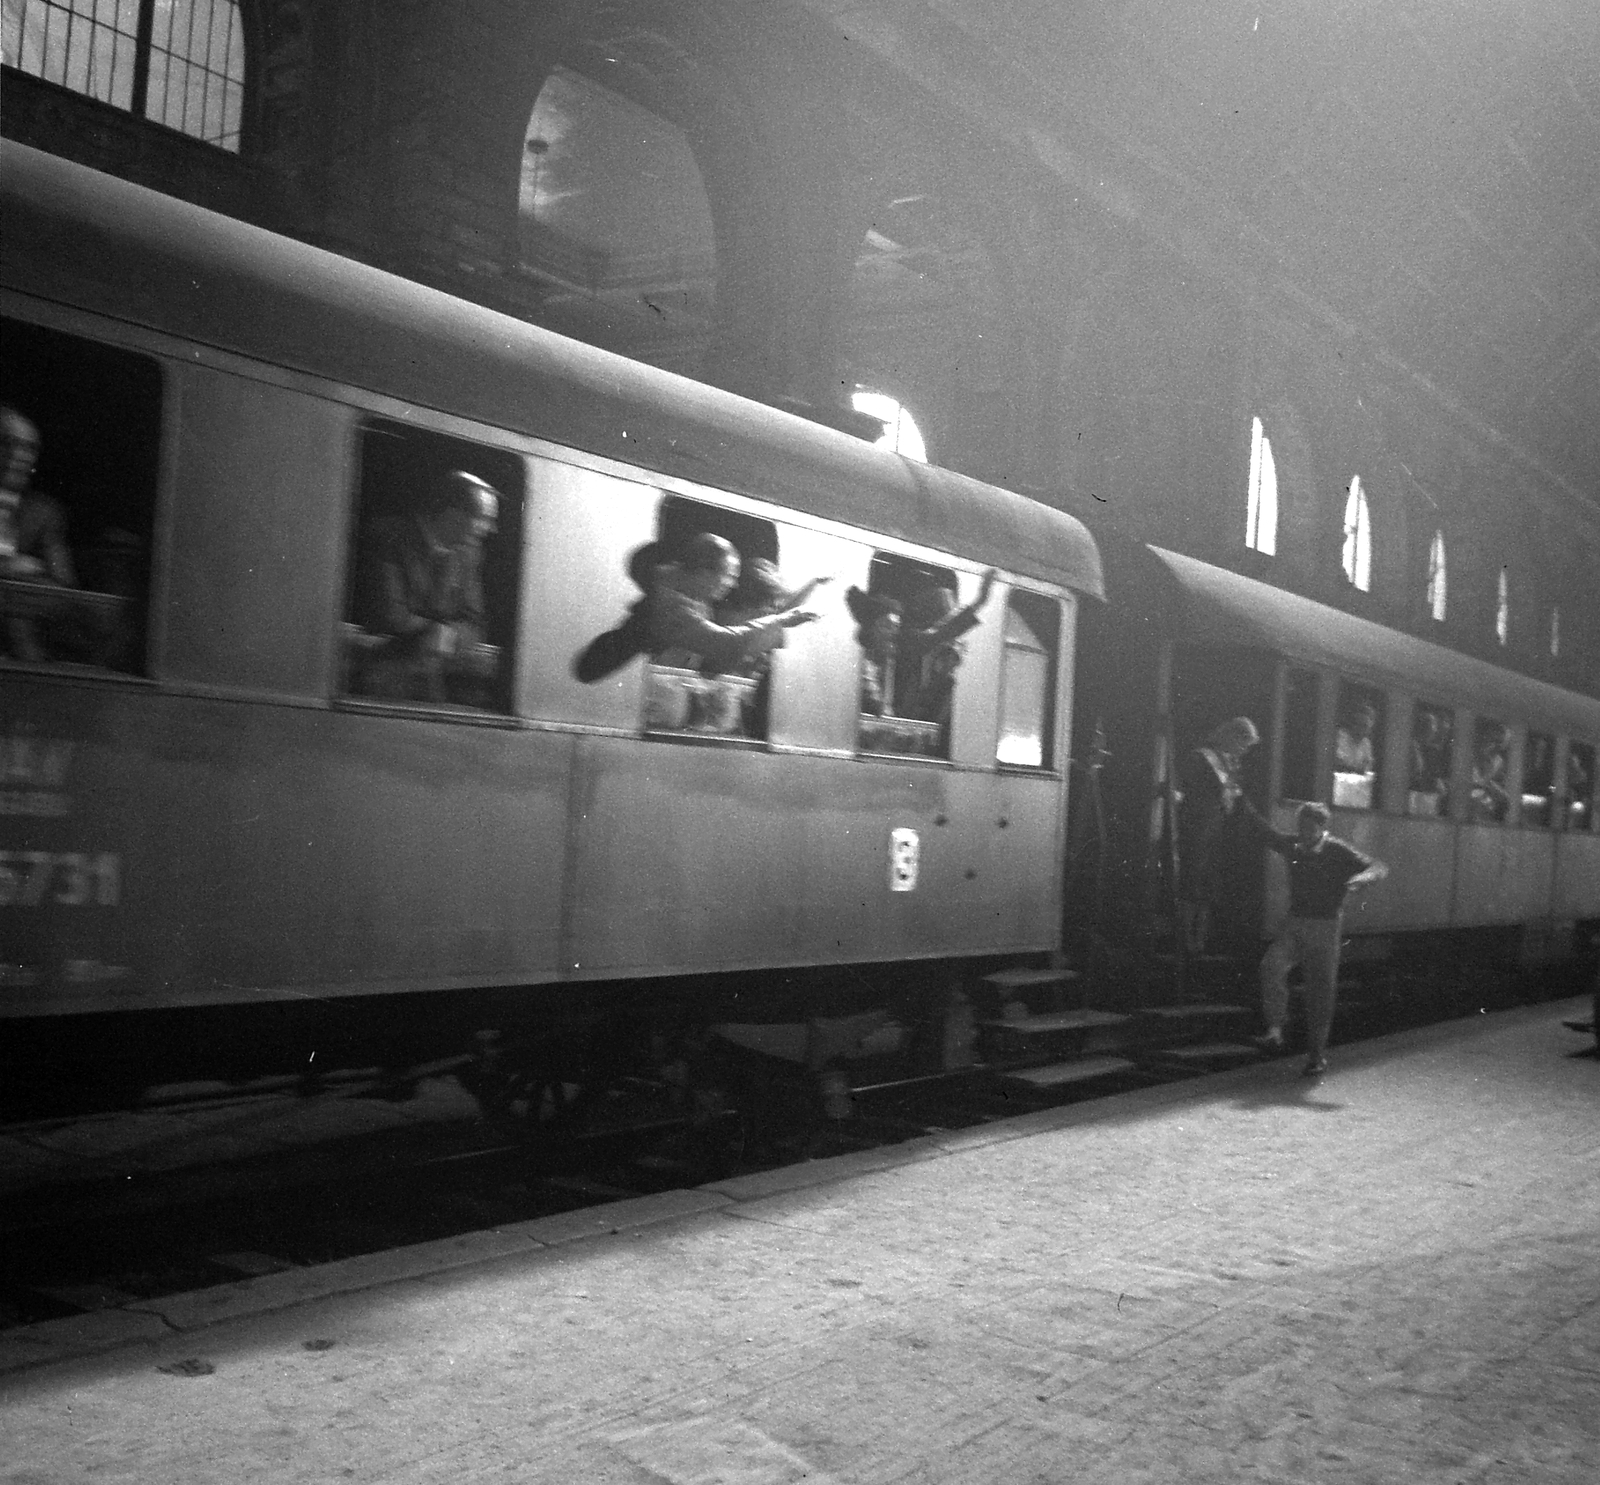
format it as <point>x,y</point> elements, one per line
<point>1210,685</point>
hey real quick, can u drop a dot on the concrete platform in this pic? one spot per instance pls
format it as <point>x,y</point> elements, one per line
<point>1390,1273</point>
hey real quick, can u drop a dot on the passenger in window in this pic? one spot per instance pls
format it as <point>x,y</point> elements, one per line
<point>929,653</point>
<point>878,621</point>
<point>33,549</point>
<point>1430,765</point>
<point>1354,761</point>
<point>680,622</point>
<point>421,598</point>
<point>1490,798</point>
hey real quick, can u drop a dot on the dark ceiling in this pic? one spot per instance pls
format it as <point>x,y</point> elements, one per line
<point>1423,174</point>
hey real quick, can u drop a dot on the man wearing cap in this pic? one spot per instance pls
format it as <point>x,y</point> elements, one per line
<point>423,590</point>
<point>1322,870</point>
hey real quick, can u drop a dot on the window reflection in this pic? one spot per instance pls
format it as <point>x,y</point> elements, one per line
<point>1432,736</point>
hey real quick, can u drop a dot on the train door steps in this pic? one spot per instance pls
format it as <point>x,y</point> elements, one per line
<point>1076,1070</point>
<point>1209,1056</point>
<point>1017,1038</point>
<point>1014,992</point>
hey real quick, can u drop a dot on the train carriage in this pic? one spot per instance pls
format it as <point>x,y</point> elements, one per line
<point>1476,784</point>
<point>204,807</point>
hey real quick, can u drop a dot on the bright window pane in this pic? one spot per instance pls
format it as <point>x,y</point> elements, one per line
<point>1261,516</point>
<point>1438,579</point>
<point>1357,554</point>
<point>900,432</point>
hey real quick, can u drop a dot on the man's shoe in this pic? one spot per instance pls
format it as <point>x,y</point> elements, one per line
<point>1268,1041</point>
<point>1314,1067</point>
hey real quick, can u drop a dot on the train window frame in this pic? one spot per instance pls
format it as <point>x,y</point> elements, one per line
<point>1488,802</point>
<point>1538,791</point>
<point>1022,650</point>
<point>1422,766</point>
<point>1580,792</point>
<point>1356,787</point>
<point>480,686</point>
<point>113,470</point>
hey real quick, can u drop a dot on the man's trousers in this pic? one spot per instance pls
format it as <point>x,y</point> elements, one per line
<point>1312,943</point>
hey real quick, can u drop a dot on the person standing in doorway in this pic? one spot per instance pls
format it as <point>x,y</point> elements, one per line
<point>1322,870</point>
<point>1210,798</point>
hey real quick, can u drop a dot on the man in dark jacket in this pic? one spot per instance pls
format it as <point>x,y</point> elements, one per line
<point>1322,870</point>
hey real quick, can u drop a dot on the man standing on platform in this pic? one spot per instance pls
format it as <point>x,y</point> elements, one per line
<point>1322,870</point>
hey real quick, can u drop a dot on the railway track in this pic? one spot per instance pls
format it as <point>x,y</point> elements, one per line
<point>78,1237</point>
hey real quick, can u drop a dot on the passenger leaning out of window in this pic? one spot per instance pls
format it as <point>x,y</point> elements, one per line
<point>421,597</point>
<point>680,623</point>
<point>929,651</point>
<point>761,594</point>
<point>878,621</point>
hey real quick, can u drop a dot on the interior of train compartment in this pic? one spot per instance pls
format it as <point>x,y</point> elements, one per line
<point>88,417</point>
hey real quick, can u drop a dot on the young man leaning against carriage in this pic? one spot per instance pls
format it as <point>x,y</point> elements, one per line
<point>1322,871</point>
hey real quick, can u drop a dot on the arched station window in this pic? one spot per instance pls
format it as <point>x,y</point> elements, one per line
<point>1261,508</point>
<point>1356,557</point>
<point>615,227</point>
<point>1438,579</point>
<point>1502,608</point>
<point>175,62</point>
<point>900,432</point>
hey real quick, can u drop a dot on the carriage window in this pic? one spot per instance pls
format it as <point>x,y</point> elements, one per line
<point>1357,742</point>
<point>716,606</point>
<point>82,434</point>
<point>1027,682</point>
<point>1491,742</point>
<point>909,625</point>
<point>1299,735</point>
<point>1432,737</point>
<point>432,594</point>
<point>1539,780</point>
<point>1580,786</point>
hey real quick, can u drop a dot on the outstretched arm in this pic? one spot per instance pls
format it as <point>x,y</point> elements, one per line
<point>1375,872</point>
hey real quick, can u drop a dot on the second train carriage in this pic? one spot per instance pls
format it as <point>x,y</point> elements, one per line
<point>1475,783</point>
<point>206,811</point>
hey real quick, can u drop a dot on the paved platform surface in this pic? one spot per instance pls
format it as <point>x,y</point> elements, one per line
<point>1388,1274</point>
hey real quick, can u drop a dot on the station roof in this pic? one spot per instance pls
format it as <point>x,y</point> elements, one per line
<point>1211,605</point>
<point>102,244</point>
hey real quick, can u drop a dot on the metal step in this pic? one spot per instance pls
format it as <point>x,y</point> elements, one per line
<point>1080,1070</point>
<point>1210,1052</point>
<point>1023,979</point>
<point>1191,1012</point>
<point>1048,1023</point>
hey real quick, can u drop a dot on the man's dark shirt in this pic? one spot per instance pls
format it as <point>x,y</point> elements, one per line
<point>1318,876</point>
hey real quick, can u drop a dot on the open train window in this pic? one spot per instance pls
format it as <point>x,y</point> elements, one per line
<point>1580,786</point>
<point>909,624</point>
<point>718,605</point>
<point>1539,780</point>
<point>82,436</point>
<point>1299,735</point>
<point>1027,681</point>
<point>1491,743</point>
<point>1432,740</point>
<point>431,606</point>
<point>1357,746</point>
